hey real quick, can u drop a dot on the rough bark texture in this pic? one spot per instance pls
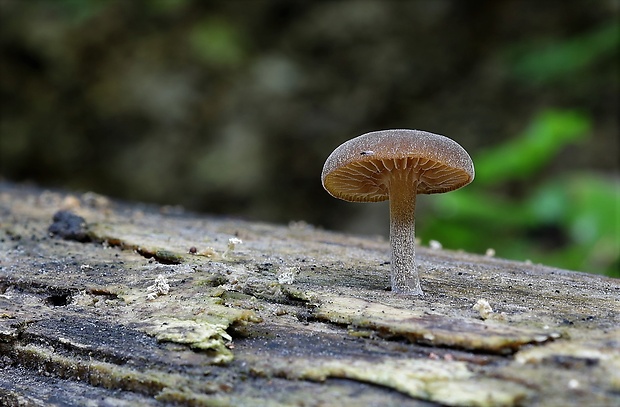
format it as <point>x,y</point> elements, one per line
<point>103,303</point>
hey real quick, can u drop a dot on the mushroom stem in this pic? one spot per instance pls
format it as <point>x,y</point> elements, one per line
<point>402,189</point>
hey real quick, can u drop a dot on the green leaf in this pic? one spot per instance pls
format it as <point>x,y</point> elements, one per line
<point>562,60</point>
<point>523,157</point>
<point>217,42</point>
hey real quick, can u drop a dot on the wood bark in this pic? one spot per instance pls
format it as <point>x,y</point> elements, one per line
<point>108,303</point>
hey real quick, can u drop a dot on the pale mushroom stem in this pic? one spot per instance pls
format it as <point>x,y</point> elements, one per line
<point>402,189</point>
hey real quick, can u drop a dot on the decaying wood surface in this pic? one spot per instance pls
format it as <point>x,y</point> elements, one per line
<point>103,303</point>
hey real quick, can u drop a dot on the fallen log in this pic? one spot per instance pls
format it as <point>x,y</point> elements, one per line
<point>140,305</point>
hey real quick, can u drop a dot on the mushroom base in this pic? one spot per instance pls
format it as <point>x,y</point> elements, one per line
<point>402,187</point>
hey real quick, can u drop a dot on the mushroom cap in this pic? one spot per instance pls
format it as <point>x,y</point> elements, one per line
<point>359,169</point>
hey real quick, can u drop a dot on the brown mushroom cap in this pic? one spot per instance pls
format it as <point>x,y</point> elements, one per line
<point>359,169</point>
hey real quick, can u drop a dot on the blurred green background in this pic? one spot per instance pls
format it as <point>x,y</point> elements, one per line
<point>231,107</point>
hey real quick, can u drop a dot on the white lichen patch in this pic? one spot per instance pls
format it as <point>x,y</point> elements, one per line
<point>484,308</point>
<point>600,351</point>
<point>431,329</point>
<point>445,382</point>
<point>232,242</point>
<point>480,392</point>
<point>160,287</point>
<point>193,332</point>
<point>198,334</point>
<point>287,275</point>
<point>486,312</point>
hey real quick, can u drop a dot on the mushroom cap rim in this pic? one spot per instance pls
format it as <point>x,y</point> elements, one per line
<point>430,156</point>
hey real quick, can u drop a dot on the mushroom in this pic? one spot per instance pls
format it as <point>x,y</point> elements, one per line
<point>397,165</point>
